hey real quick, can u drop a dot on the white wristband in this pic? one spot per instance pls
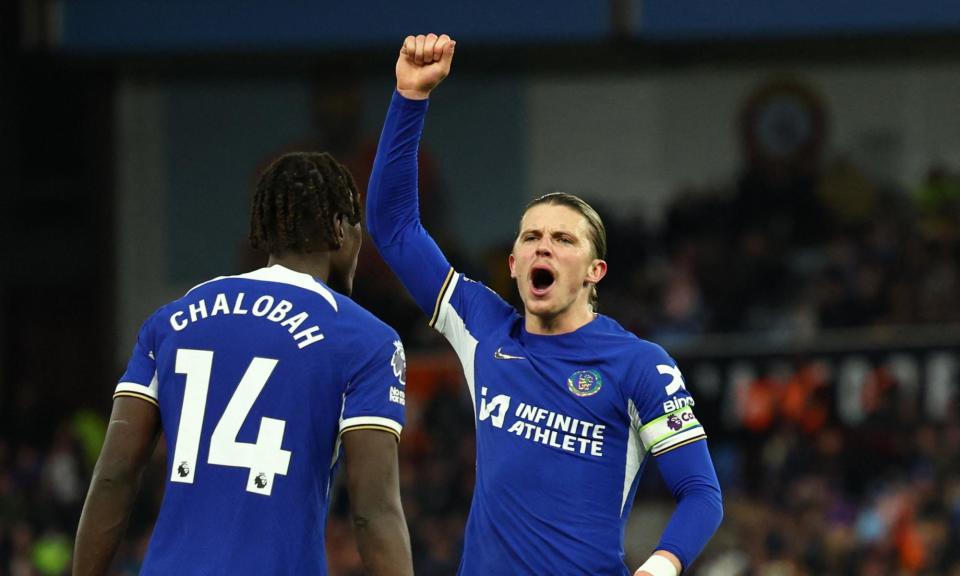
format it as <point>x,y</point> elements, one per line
<point>658,566</point>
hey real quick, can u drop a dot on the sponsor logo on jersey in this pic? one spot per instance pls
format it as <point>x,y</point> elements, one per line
<point>499,355</point>
<point>676,421</point>
<point>676,379</point>
<point>542,426</point>
<point>584,382</point>
<point>399,362</point>
<point>676,403</point>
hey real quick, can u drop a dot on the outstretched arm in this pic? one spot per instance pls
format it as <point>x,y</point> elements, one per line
<point>378,521</point>
<point>393,212</point>
<point>688,472</point>
<point>131,438</point>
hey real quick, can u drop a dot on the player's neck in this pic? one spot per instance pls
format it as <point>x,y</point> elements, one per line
<point>567,321</point>
<point>316,264</point>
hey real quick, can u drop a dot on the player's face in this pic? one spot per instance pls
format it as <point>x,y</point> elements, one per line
<point>343,262</point>
<point>553,262</point>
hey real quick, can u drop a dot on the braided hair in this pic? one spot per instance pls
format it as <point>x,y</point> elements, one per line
<point>296,200</point>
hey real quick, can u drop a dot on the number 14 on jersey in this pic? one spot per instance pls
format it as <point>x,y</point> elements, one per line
<point>265,458</point>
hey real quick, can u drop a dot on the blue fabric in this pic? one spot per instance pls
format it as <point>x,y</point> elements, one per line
<point>323,363</point>
<point>688,472</point>
<point>393,207</point>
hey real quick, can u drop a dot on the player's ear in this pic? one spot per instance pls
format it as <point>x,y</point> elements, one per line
<point>596,271</point>
<point>338,231</point>
<point>512,263</point>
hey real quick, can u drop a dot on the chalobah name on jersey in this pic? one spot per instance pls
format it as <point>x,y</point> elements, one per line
<point>266,306</point>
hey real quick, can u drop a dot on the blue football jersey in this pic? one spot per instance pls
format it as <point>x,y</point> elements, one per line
<point>564,427</point>
<point>256,377</point>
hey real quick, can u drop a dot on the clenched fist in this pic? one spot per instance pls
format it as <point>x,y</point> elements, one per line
<point>423,63</point>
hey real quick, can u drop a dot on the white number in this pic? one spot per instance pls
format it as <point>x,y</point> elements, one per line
<point>196,365</point>
<point>265,458</point>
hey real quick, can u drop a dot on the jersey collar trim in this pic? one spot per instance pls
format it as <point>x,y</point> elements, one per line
<point>283,275</point>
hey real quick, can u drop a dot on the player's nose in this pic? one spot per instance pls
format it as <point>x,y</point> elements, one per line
<point>543,248</point>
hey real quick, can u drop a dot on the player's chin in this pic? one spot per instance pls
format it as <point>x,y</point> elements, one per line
<point>539,305</point>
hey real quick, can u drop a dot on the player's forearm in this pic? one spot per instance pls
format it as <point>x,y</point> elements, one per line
<point>393,213</point>
<point>689,473</point>
<point>103,521</point>
<point>696,518</point>
<point>384,542</point>
<point>392,197</point>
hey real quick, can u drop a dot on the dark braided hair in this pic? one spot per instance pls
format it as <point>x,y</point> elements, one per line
<point>296,200</point>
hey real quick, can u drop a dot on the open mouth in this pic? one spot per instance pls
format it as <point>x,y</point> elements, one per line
<point>541,279</point>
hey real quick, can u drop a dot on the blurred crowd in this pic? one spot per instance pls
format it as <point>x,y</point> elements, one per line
<point>878,499</point>
<point>836,251</point>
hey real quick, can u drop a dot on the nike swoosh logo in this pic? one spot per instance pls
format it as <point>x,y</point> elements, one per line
<point>499,355</point>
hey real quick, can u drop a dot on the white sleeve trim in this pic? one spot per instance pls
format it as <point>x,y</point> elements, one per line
<point>682,438</point>
<point>635,454</point>
<point>452,326</point>
<point>440,323</point>
<point>135,388</point>
<point>373,421</point>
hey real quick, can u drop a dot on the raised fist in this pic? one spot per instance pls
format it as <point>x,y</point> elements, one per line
<point>423,63</point>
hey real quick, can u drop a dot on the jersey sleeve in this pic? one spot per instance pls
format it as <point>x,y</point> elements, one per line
<point>393,211</point>
<point>688,472</point>
<point>140,378</point>
<point>375,395</point>
<point>663,407</point>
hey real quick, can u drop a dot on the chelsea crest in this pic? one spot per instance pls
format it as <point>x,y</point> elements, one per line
<point>584,382</point>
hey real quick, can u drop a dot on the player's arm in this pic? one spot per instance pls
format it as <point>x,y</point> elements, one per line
<point>393,213</point>
<point>378,520</point>
<point>131,437</point>
<point>688,472</point>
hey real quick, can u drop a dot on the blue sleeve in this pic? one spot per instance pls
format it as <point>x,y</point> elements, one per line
<point>393,212</point>
<point>688,472</point>
<point>140,378</point>
<point>664,406</point>
<point>375,396</point>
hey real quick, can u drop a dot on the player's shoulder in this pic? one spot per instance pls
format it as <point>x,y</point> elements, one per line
<point>159,318</point>
<point>484,297</point>
<point>614,335</point>
<point>366,323</point>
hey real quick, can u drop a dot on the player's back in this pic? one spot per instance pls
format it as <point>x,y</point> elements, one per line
<point>256,376</point>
